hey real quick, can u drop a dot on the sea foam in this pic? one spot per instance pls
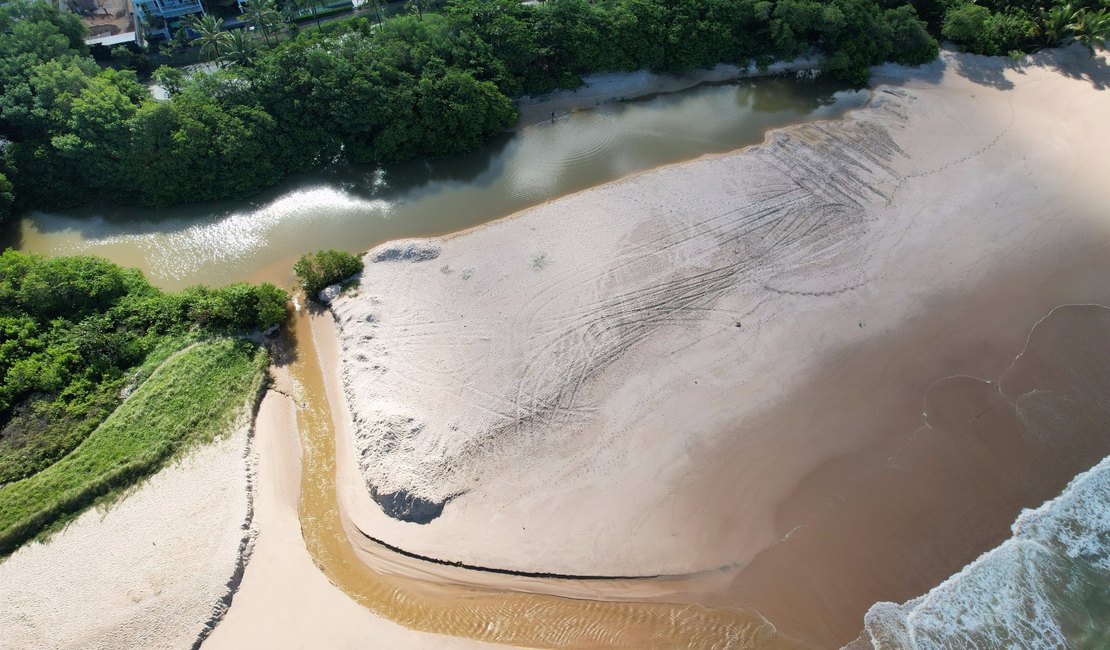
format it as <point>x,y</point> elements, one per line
<point>1035,590</point>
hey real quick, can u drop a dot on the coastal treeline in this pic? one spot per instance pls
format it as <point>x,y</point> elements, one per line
<point>428,85</point>
<point>75,336</point>
<point>1013,27</point>
<point>432,84</point>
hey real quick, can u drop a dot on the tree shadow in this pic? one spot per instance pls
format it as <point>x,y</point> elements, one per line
<point>1076,62</point>
<point>893,74</point>
<point>100,218</point>
<point>987,70</point>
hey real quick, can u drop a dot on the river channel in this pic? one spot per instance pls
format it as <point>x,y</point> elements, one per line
<point>355,208</point>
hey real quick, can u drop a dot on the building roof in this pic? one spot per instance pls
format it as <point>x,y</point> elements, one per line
<point>115,39</point>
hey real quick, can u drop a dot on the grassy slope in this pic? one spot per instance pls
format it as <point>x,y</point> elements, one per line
<point>190,399</point>
<point>43,431</point>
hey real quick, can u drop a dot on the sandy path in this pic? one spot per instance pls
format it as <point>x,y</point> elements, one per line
<point>148,573</point>
<point>663,375</point>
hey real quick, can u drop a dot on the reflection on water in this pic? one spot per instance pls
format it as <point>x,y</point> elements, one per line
<point>520,619</point>
<point>355,208</point>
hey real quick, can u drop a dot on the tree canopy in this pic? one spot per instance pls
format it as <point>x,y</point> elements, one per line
<point>428,84</point>
<point>323,268</point>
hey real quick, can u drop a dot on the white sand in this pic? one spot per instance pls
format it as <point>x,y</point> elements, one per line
<point>573,381</point>
<point>150,572</point>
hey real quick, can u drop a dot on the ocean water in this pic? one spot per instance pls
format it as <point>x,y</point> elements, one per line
<point>1048,585</point>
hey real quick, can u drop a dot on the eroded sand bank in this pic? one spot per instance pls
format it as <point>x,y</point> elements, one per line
<point>152,571</point>
<point>683,371</point>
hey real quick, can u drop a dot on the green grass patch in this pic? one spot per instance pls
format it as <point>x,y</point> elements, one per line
<point>190,399</point>
<point>45,428</point>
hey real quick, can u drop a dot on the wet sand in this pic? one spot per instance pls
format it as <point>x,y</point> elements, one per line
<point>720,367</point>
<point>730,403</point>
<point>283,598</point>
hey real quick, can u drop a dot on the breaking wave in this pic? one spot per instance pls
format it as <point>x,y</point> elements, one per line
<point>1045,587</point>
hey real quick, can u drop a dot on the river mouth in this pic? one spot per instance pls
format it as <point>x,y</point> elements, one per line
<point>789,584</point>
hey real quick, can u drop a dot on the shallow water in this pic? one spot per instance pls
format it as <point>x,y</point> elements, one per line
<point>356,208</point>
<point>1048,585</point>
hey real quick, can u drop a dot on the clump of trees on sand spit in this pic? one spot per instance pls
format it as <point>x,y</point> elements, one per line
<point>427,85</point>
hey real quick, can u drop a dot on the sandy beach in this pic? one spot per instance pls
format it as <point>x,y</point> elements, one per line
<point>154,570</point>
<point>751,400</point>
<point>663,376</point>
<point>284,601</point>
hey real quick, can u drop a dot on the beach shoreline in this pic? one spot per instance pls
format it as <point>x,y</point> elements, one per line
<point>636,411</point>
<point>890,179</point>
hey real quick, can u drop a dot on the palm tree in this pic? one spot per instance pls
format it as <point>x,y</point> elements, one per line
<point>240,48</point>
<point>418,5</point>
<point>1055,23</point>
<point>211,35</point>
<point>262,15</point>
<point>1091,29</point>
<point>377,4</point>
<point>309,4</point>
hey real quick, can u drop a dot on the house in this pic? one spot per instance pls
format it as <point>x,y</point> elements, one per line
<point>110,22</point>
<point>166,16</point>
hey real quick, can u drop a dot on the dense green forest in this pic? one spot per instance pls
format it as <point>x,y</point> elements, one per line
<point>428,85</point>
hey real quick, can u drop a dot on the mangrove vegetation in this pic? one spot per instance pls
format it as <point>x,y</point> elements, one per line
<point>433,83</point>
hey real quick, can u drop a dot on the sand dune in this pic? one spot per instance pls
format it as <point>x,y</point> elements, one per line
<point>678,372</point>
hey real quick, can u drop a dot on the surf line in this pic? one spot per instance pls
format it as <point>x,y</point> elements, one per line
<point>536,574</point>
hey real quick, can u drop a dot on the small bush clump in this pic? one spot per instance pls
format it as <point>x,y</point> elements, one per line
<point>323,268</point>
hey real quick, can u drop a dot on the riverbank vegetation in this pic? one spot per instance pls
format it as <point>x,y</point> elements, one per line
<point>79,334</point>
<point>1013,27</point>
<point>190,398</point>
<point>424,85</point>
